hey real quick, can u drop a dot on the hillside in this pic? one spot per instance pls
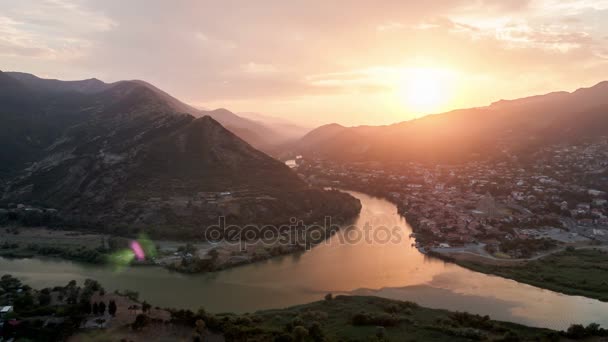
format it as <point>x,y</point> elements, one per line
<point>346,318</point>
<point>513,126</point>
<point>128,157</point>
<point>255,132</point>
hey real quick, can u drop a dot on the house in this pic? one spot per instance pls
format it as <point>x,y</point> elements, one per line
<point>595,192</point>
<point>599,202</point>
<point>585,207</point>
<point>5,310</point>
<point>517,195</point>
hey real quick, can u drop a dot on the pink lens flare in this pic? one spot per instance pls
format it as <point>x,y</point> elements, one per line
<point>139,252</point>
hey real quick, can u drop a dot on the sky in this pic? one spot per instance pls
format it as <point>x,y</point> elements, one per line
<point>316,61</point>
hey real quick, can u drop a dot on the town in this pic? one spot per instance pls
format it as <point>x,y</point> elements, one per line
<point>505,207</point>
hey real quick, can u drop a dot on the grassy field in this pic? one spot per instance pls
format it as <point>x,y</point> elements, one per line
<point>22,242</point>
<point>581,272</point>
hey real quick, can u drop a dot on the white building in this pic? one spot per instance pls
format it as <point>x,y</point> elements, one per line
<point>4,310</point>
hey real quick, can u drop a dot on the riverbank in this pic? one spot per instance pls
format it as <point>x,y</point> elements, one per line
<point>577,268</point>
<point>343,318</point>
<point>581,272</point>
<point>85,312</point>
<point>181,256</point>
<point>338,266</point>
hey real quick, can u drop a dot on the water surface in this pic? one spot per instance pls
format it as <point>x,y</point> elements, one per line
<point>392,270</point>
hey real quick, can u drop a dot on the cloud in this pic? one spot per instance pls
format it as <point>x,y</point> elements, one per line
<point>244,53</point>
<point>390,26</point>
<point>257,68</point>
<point>51,29</point>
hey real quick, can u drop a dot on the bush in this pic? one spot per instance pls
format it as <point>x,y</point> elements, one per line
<point>381,319</point>
<point>578,331</point>
<point>140,322</point>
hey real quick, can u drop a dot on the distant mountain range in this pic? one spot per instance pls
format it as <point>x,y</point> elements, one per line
<point>127,155</point>
<point>513,126</point>
<point>288,129</point>
<point>264,135</point>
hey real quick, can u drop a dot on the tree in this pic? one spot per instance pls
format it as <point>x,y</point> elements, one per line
<point>140,322</point>
<point>87,308</point>
<point>145,307</point>
<point>24,302</point>
<point>576,331</point>
<point>315,332</point>
<point>300,333</point>
<point>112,308</point>
<point>200,326</point>
<point>102,308</point>
<point>95,309</point>
<point>44,299</point>
<point>329,297</point>
<point>199,330</point>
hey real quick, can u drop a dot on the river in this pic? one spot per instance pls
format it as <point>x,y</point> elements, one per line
<point>393,270</point>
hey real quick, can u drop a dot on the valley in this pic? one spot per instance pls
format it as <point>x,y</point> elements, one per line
<point>143,193</point>
<point>344,265</point>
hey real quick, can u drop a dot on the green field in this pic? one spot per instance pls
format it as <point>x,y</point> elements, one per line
<point>582,272</point>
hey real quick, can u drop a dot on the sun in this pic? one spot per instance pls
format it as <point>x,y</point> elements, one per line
<point>424,90</point>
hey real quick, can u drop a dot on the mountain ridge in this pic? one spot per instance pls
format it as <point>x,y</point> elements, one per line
<point>465,134</point>
<point>256,133</point>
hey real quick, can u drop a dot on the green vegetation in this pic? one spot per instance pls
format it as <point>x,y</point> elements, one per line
<point>582,272</point>
<point>77,253</point>
<point>51,314</point>
<point>58,313</point>
<point>350,318</point>
<point>527,248</point>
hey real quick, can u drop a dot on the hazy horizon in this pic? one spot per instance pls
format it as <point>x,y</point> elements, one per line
<point>304,62</point>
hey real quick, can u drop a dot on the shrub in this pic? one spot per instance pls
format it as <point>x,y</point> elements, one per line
<point>381,319</point>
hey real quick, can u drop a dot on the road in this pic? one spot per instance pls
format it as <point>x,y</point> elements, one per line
<point>480,252</point>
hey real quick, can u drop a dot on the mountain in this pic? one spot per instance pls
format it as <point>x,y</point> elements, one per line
<point>91,85</point>
<point>513,126</point>
<point>31,119</point>
<point>128,157</point>
<point>285,128</point>
<point>254,132</point>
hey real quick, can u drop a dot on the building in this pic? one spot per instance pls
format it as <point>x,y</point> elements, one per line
<point>5,310</point>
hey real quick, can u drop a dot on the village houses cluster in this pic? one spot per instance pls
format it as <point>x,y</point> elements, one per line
<point>514,205</point>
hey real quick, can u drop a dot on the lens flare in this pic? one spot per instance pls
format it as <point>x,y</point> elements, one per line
<point>121,259</point>
<point>147,246</point>
<point>141,249</point>
<point>140,255</point>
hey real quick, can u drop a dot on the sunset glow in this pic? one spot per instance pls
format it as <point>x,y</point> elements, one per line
<point>303,170</point>
<point>425,90</point>
<point>288,61</point>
